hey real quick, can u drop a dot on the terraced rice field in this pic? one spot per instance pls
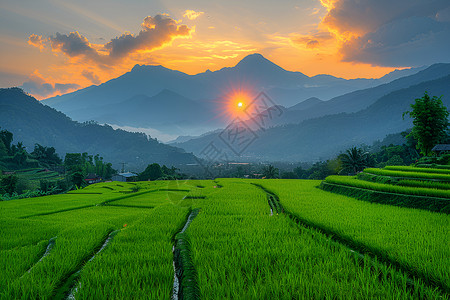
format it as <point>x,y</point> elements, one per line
<point>423,188</point>
<point>222,239</point>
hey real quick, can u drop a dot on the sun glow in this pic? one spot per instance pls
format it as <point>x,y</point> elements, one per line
<point>237,102</point>
<point>234,102</point>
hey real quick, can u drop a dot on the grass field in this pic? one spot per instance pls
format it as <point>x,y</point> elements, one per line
<point>422,188</point>
<point>279,239</point>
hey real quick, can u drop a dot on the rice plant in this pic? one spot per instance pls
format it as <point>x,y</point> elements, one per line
<point>415,239</point>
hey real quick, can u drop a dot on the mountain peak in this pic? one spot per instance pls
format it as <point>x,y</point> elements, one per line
<point>254,60</point>
<point>167,92</point>
<point>146,67</point>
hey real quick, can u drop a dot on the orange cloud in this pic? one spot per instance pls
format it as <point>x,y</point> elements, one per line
<point>36,41</point>
<point>156,32</point>
<point>192,15</point>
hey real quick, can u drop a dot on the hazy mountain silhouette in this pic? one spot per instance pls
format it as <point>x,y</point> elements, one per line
<point>361,99</point>
<point>32,122</point>
<point>324,137</point>
<point>166,107</point>
<point>202,91</point>
<point>308,103</point>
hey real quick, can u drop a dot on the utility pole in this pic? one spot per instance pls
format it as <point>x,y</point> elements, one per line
<point>123,167</point>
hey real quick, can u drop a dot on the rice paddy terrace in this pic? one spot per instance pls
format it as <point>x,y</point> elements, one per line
<point>233,239</point>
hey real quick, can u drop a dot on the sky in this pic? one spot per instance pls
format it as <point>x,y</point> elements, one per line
<point>51,47</point>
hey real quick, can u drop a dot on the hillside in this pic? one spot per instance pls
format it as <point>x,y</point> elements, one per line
<point>32,122</point>
<point>323,137</point>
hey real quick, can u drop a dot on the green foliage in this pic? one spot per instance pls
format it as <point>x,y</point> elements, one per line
<point>430,122</point>
<point>84,164</point>
<point>355,160</point>
<point>77,178</point>
<point>8,184</point>
<point>289,175</point>
<point>152,172</point>
<point>46,155</point>
<point>20,157</point>
<point>6,138</point>
<point>156,172</point>
<point>3,150</point>
<point>270,172</point>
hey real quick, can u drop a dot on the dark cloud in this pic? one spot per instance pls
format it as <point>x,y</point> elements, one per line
<point>155,32</point>
<point>73,45</point>
<point>407,42</point>
<point>392,33</point>
<point>363,16</point>
<point>312,44</point>
<point>38,87</point>
<point>91,77</point>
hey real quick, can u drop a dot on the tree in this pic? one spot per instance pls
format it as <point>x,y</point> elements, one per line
<point>77,178</point>
<point>354,160</point>
<point>20,157</point>
<point>3,149</point>
<point>72,159</point>
<point>430,119</point>
<point>6,137</point>
<point>8,184</point>
<point>270,172</point>
<point>46,155</point>
<point>152,172</point>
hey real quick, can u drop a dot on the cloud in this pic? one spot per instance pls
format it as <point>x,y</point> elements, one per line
<point>41,88</point>
<point>312,44</point>
<point>73,45</point>
<point>192,15</point>
<point>36,41</point>
<point>91,76</point>
<point>390,33</point>
<point>156,32</point>
<point>406,42</point>
<point>312,41</point>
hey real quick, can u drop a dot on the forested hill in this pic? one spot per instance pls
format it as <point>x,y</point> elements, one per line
<point>32,122</point>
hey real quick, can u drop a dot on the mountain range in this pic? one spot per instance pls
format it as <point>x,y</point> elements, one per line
<point>142,97</point>
<point>322,137</point>
<point>318,116</point>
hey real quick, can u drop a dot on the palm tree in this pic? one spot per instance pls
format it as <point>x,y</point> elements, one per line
<point>354,160</point>
<point>270,172</point>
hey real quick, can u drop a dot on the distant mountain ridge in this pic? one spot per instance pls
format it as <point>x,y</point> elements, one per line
<point>323,137</point>
<point>361,99</point>
<point>105,103</point>
<point>32,122</point>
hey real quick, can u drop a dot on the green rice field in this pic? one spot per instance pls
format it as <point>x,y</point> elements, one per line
<point>222,239</point>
